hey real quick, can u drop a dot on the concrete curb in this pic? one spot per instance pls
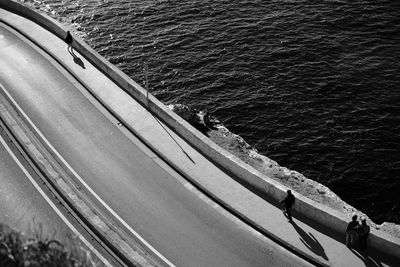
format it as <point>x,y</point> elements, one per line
<point>187,175</point>
<point>71,193</point>
<point>315,211</point>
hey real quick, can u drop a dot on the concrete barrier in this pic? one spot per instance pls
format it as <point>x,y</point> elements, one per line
<point>243,172</point>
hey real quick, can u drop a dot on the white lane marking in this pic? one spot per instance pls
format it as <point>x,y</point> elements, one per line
<point>48,200</point>
<point>126,225</point>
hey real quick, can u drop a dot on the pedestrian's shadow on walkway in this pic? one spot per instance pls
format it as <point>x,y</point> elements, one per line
<point>371,257</point>
<point>369,261</point>
<point>310,241</point>
<point>77,60</point>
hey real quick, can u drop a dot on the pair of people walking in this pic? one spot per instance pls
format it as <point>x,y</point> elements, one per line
<point>356,233</point>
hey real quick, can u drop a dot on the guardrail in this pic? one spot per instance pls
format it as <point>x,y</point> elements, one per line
<point>247,174</point>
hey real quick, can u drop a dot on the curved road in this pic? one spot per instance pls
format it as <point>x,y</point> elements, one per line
<point>28,205</point>
<point>147,194</point>
<point>21,205</point>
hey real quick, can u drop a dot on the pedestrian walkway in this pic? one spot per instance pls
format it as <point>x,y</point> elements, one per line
<point>303,237</point>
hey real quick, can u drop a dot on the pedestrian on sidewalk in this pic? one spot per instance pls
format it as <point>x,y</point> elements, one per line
<point>363,233</point>
<point>289,202</point>
<point>351,232</point>
<point>69,40</point>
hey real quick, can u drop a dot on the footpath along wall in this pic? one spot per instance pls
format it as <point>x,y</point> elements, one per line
<point>250,176</point>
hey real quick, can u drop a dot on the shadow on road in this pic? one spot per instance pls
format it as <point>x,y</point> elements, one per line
<point>310,241</point>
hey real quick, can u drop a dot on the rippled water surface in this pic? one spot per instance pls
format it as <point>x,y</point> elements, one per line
<point>314,85</point>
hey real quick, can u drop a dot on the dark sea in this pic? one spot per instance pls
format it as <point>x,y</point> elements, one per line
<point>313,85</point>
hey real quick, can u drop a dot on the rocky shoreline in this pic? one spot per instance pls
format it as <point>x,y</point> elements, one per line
<point>233,143</point>
<point>236,145</point>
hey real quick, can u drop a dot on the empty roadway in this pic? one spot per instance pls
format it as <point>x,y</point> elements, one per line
<point>30,206</point>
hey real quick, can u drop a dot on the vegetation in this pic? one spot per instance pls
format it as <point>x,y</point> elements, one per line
<point>17,249</point>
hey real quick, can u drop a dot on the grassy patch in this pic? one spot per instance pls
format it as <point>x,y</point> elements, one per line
<point>17,249</point>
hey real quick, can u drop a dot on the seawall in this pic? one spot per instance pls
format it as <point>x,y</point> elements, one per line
<point>260,182</point>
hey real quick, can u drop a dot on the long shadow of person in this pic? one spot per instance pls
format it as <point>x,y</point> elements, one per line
<point>310,241</point>
<point>368,261</point>
<point>77,60</point>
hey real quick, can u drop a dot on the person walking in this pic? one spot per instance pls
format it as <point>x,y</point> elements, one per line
<point>364,233</point>
<point>289,202</point>
<point>351,231</point>
<point>69,40</point>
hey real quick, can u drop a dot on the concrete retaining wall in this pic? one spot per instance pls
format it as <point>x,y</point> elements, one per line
<point>311,209</point>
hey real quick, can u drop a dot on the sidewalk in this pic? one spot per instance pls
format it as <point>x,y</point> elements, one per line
<point>315,243</point>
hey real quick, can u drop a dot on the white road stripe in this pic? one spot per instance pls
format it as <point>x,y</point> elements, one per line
<point>109,209</point>
<point>59,213</point>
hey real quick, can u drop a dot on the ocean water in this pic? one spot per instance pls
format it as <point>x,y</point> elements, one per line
<point>313,85</point>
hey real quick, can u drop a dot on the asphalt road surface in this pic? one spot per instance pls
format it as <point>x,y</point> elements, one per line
<point>28,205</point>
<point>149,196</point>
<point>21,205</point>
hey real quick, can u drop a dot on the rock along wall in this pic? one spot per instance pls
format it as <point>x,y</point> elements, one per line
<point>262,183</point>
